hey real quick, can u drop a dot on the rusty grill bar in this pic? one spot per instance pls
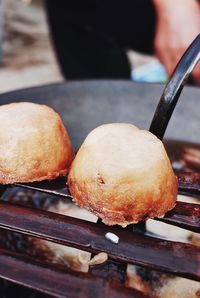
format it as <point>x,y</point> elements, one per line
<point>91,237</point>
<point>36,275</point>
<point>163,255</point>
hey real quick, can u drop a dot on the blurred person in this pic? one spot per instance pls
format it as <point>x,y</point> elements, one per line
<point>91,37</point>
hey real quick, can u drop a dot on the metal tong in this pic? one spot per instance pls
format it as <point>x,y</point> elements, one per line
<point>173,89</point>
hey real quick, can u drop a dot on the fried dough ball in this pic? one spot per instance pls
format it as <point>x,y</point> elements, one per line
<point>123,175</point>
<point>34,144</point>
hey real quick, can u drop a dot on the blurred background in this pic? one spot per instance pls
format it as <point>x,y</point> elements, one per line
<point>27,56</point>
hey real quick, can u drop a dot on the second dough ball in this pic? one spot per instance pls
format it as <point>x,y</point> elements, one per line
<point>123,175</point>
<point>34,144</point>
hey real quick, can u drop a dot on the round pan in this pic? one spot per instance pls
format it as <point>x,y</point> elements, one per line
<point>83,105</point>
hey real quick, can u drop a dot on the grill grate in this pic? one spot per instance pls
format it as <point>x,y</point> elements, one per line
<point>163,255</point>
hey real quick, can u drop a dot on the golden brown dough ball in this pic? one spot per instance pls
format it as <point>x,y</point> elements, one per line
<point>123,175</point>
<point>34,144</point>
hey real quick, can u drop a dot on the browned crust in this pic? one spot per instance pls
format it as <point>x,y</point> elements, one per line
<point>4,179</point>
<point>126,215</point>
<point>123,175</point>
<point>62,171</point>
<point>44,155</point>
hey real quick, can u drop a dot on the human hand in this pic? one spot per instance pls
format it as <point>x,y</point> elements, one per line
<point>178,23</point>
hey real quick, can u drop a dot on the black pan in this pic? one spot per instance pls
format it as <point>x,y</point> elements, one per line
<point>84,105</point>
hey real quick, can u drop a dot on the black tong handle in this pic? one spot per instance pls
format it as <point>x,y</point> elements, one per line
<point>173,89</point>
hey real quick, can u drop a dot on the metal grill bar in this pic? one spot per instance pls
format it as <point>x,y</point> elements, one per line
<point>189,183</point>
<point>25,271</point>
<point>174,87</point>
<point>134,248</point>
<point>56,187</point>
<point>184,215</point>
